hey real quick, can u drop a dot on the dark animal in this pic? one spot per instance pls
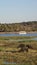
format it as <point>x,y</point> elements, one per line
<point>29,46</point>
<point>22,48</point>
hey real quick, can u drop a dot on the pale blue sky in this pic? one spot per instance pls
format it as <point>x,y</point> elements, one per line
<point>12,11</point>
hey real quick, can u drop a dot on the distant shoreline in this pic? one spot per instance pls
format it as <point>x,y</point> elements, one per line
<point>32,32</point>
<point>7,32</point>
<point>15,32</point>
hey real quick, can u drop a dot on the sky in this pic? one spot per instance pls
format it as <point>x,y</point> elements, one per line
<point>14,11</point>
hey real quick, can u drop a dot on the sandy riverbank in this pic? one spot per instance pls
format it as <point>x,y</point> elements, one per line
<point>8,32</point>
<point>32,32</point>
<point>15,32</point>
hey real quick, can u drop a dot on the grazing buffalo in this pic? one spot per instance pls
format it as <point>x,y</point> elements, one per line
<point>29,46</point>
<point>22,48</point>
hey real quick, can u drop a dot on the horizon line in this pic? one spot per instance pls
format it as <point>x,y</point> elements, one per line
<point>16,22</point>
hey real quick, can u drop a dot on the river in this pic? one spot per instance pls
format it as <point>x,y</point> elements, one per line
<point>13,34</point>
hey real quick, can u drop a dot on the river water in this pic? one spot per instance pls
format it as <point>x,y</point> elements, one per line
<point>11,34</point>
<point>28,34</point>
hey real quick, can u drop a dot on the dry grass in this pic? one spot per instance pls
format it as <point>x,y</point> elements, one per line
<point>27,58</point>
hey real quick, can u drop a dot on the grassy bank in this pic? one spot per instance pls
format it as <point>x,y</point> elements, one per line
<point>16,37</point>
<point>7,46</point>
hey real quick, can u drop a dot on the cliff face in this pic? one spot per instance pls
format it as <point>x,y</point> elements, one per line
<point>24,26</point>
